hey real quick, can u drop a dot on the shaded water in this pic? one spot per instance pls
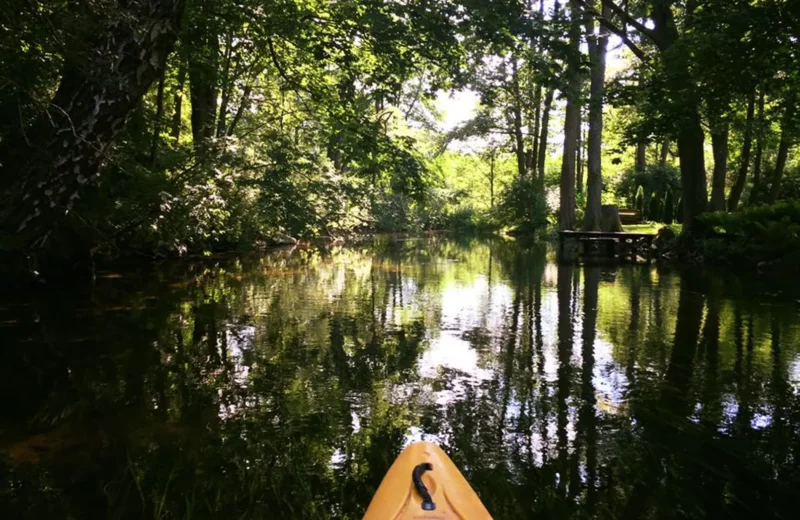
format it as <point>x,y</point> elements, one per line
<point>284,386</point>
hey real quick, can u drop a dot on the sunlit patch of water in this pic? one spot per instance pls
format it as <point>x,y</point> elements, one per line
<point>794,374</point>
<point>240,340</point>
<point>608,379</point>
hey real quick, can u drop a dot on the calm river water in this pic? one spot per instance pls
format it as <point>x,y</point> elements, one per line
<point>284,386</point>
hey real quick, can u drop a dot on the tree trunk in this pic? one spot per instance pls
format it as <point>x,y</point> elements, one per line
<point>534,130</point>
<point>662,160</point>
<point>744,160</point>
<point>536,96</point>
<point>641,156</point>
<point>157,122</point>
<point>243,104</point>
<point>719,143</point>
<point>594,188</point>
<point>46,172</point>
<point>566,218</point>
<point>682,88</point>
<point>519,140</point>
<point>783,154</point>
<point>541,161</point>
<point>609,220</point>
<point>579,155</point>
<point>693,171</point>
<point>203,57</point>
<point>227,86</point>
<point>177,120</point>
<point>491,181</point>
<point>755,193</point>
<point>203,97</point>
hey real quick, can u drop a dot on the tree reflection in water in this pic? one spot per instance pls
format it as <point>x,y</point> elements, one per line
<point>284,386</point>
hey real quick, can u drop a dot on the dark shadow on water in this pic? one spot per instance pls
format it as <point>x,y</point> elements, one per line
<point>283,386</point>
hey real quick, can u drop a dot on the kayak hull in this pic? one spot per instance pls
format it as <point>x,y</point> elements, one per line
<point>398,498</point>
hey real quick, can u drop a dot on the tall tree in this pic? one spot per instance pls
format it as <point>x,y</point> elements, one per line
<point>227,82</point>
<point>641,156</point>
<point>177,111</point>
<point>516,119</point>
<point>690,133</point>
<point>598,42</point>
<point>758,159</point>
<point>579,155</point>
<point>547,80</point>
<point>203,49</point>
<point>541,160</point>
<point>719,144</point>
<point>572,87</point>
<point>684,99</point>
<point>783,151</point>
<point>664,154</point>
<point>744,157</point>
<point>535,89</point>
<point>159,115</point>
<point>110,62</point>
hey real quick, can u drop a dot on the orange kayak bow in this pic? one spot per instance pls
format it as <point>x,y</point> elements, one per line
<point>424,484</point>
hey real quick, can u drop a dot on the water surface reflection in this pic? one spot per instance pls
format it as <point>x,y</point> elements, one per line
<point>284,386</point>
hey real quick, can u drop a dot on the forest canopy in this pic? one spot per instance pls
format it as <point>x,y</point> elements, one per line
<point>171,126</point>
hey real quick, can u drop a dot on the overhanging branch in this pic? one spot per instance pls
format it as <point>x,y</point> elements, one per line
<point>635,49</point>
<point>277,63</point>
<point>630,20</point>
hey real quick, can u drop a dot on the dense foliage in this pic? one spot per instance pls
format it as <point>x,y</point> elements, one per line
<point>524,207</point>
<point>265,118</point>
<point>169,126</point>
<point>654,180</point>
<point>761,235</point>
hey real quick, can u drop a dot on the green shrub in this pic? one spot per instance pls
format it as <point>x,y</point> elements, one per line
<point>468,219</point>
<point>654,179</point>
<point>790,185</point>
<point>523,206</point>
<point>758,234</point>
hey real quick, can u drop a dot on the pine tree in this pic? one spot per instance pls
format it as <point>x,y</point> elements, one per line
<point>638,201</point>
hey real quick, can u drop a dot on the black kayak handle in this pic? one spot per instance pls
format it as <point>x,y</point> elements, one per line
<point>416,477</point>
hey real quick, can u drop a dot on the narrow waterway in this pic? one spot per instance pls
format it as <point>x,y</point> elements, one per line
<point>284,386</point>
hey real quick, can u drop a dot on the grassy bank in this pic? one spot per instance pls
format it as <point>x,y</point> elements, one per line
<point>651,228</point>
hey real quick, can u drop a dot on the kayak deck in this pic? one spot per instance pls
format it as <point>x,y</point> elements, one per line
<point>424,484</point>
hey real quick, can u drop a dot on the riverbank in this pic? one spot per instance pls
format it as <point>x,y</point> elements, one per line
<point>762,240</point>
<point>17,270</point>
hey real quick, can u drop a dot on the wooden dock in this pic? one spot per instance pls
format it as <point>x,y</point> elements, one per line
<point>609,244</point>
